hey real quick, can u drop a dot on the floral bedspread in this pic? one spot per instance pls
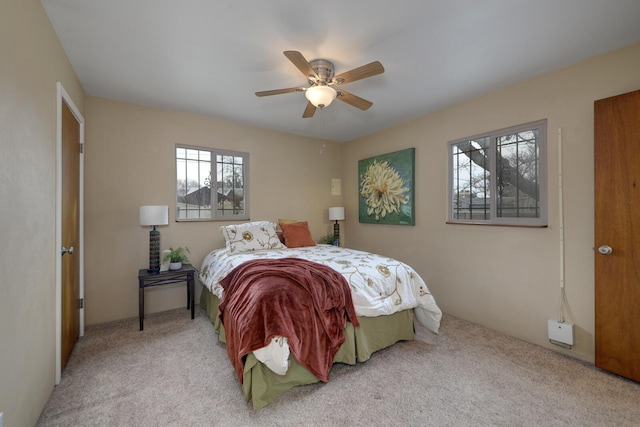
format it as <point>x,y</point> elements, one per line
<point>379,285</point>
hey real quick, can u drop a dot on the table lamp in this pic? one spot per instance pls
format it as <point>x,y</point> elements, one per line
<point>336,214</point>
<point>154,216</point>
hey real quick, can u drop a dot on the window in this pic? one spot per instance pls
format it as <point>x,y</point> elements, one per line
<point>499,178</point>
<point>211,184</point>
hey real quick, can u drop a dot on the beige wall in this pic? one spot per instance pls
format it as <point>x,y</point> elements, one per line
<point>130,161</point>
<point>505,278</point>
<point>31,61</point>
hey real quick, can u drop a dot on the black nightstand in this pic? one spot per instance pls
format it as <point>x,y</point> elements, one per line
<point>145,279</point>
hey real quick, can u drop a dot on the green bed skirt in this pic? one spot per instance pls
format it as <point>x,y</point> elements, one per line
<point>263,386</point>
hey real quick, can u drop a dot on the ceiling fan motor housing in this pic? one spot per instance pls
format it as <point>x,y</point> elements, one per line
<point>324,70</point>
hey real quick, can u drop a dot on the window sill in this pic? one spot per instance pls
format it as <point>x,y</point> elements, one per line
<point>492,224</point>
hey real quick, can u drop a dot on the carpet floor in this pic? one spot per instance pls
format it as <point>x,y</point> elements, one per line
<point>175,372</point>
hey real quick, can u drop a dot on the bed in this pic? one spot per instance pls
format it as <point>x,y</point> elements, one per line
<point>385,296</point>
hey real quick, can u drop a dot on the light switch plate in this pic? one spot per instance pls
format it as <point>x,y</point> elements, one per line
<point>336,187</point>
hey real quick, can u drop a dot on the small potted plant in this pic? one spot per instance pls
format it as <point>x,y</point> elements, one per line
<point>331,239</point>
<point>176,257</point>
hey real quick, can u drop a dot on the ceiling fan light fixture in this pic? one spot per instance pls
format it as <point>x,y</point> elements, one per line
<point>320,96</point>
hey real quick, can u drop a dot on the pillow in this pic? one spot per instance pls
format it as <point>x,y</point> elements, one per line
<point>251,236</point>
<point>297,235</point>
<point>285,221</point>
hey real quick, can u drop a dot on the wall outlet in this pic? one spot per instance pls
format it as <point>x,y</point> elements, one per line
<point>560,332</point>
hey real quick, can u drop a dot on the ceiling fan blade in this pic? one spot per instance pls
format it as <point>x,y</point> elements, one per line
<point>309,111</point>
<point>369,70</point>
<point>279,91</point>
<point>300,62</point>
<point>356,101</point>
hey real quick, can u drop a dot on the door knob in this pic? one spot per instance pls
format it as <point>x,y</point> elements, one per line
<point>67,251</point>
<point>605,250</point>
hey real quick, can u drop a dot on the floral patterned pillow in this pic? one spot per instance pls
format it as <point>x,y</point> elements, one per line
<point>251,236</point>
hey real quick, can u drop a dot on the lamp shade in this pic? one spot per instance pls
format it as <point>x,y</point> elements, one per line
<point>154,215</point>
<point>320,96</point>
<point>336,214</point>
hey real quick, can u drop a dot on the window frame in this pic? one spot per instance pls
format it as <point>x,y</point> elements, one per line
<point>214,152</point>
<point>542,219</point>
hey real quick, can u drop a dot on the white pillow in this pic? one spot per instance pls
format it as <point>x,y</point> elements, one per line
<point>251,236</point>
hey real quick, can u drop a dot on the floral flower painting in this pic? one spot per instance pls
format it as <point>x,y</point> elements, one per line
<point>386,188</point>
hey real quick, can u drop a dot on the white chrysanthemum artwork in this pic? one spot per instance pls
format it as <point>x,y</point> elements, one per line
<point>386,188</point>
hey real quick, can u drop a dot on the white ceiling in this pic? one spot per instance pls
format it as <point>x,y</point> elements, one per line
<point>210,56</point>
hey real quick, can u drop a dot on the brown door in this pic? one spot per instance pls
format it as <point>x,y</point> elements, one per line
<point>617,234</point>
<point>70,327</point>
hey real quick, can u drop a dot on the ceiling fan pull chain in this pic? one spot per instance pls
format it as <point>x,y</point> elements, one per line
<point>324,143</point>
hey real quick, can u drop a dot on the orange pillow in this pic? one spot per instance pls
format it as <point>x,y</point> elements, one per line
<point>286,221</point>
<point>297,235</point>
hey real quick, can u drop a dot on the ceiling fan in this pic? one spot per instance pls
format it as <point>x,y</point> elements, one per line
<point>319,74</point>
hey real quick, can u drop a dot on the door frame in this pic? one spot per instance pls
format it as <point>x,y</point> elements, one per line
<point>63,96</point>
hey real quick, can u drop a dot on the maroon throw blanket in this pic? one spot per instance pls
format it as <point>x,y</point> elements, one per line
<point>307,302</point>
